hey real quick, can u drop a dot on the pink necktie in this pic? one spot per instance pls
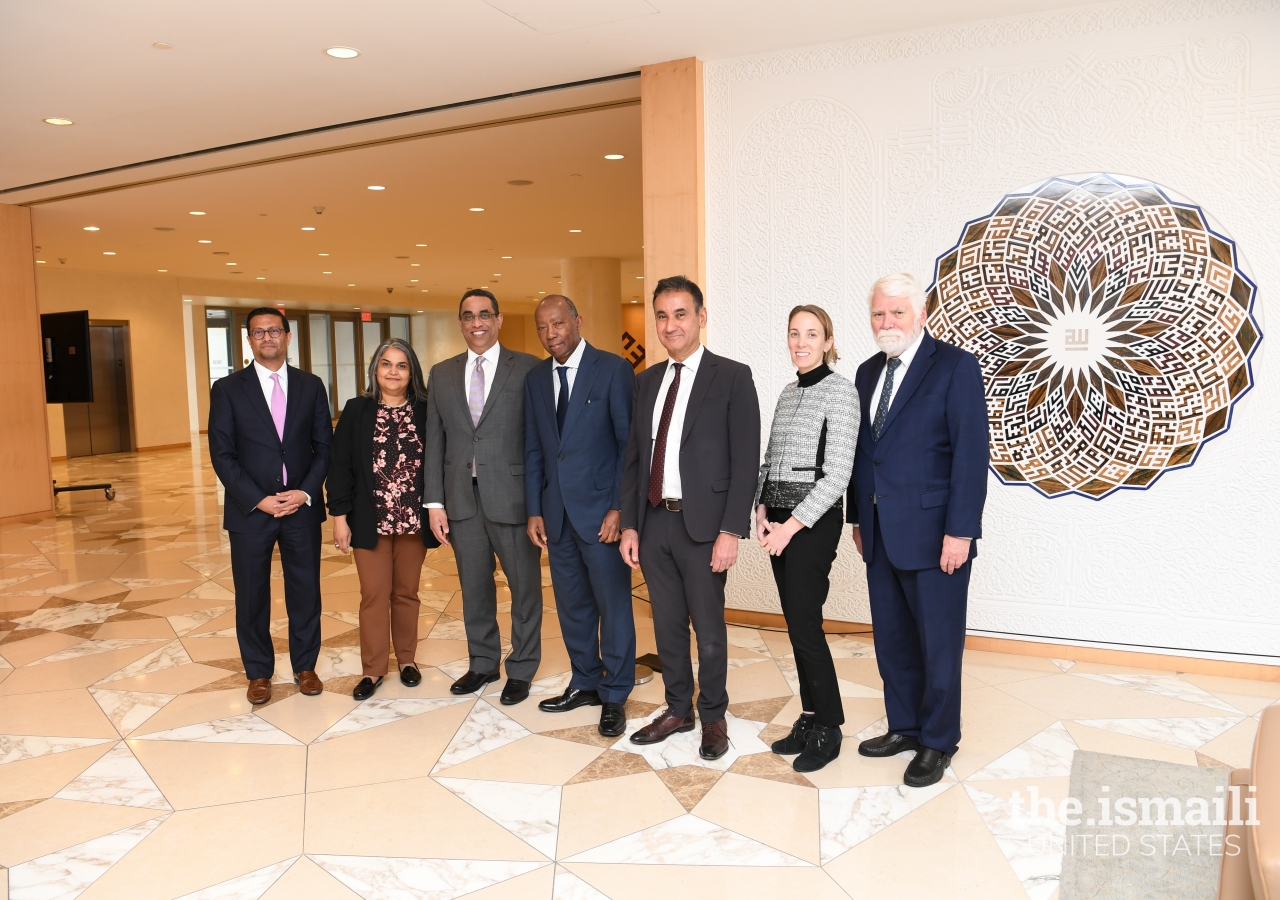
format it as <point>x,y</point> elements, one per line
<point>475,400</point>
<point>278,406</point>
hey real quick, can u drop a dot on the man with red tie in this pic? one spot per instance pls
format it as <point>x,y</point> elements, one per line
<point>688,483</point>
<point>269,436</point>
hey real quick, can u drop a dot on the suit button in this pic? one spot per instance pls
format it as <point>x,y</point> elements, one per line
<point>475,440</point>
<point>561,456</point>
<point>876,463</point>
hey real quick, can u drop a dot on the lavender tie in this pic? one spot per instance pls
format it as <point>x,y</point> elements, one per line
<point>278,406</point>
<point>475,400</point>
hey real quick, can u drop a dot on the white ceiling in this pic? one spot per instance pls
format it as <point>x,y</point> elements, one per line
<point>246,69</point>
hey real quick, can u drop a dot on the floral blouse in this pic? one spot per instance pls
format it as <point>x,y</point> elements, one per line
<point>397,471</point>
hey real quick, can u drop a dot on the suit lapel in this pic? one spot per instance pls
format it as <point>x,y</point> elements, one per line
<point>545,390</point>
<point>253,389</point>
<point>461,391</point>
<point>701,384</point>
<point>581,388</point>
<point>506,362</point>
<point>915,374</point>
<point>292,400</point>
<point>647,400</point>
<point>368,418</point>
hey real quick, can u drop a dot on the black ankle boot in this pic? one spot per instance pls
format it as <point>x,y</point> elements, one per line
<point>822,747</point>
<point>796,740</point>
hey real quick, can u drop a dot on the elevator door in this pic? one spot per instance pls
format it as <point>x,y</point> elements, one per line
<point>103,425</point>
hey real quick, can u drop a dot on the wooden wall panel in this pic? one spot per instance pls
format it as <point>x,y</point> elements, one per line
<point>25,474</point>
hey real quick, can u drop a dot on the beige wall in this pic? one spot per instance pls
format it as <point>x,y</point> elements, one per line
<point>633,323</point>
<point>152,305</point>
<point>25,476</point>
<point>674,217</point>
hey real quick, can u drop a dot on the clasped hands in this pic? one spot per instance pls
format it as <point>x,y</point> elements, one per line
<point>774,536</point>
<point>285,503</point>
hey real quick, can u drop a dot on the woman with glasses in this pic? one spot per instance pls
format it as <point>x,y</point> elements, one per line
<point>376,499</point>
<point>799,515</point>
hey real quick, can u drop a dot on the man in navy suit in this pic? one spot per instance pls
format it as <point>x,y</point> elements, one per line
<point>915,501</point>
<point>577,420</point>
<point>269,435</point>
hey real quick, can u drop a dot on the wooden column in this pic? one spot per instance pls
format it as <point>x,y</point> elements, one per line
<point>25,474</point>
<point>594,284</point>
<point>674,214</point>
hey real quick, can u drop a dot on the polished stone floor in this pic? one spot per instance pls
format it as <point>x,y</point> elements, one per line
<point>131,765</point>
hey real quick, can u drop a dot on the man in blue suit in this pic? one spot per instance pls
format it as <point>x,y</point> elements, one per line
<point>915,501</point>
<point>577,421</point>
<point>269,437</point>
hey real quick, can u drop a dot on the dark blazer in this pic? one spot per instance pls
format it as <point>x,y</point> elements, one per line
<point>247,454</point>
<point>580,470</point>
<point>350,484</point>
<point>719,449</point>
<point>496,443</point>
<point>928,471</point>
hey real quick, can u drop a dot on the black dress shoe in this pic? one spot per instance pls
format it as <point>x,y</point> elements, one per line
<point>799,736</point>
<point>472,682</point>
<point>572,698</point>
<point>365,689</point>
<point>888,745</point>
<point>927,768</point>
<point>613,719</point>
<point>410,676</point>
<point>514,691</point>
<point>822,747</point>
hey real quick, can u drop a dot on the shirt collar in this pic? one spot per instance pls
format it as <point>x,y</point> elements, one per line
<point>575,358</point>
<point>264,374</point>
<point>695,359</point>
<point>910,353</point>
<point>491,357</point>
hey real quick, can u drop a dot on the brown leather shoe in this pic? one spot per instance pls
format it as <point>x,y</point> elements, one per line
<point>309,682</point>
<point>715,740</point>
<point>662,728</point>
<point>259,691</point>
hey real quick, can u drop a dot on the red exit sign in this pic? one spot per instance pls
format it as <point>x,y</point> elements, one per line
<point>366,317</point>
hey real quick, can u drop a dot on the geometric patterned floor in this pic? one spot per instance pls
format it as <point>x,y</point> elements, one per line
<point>131,765</point>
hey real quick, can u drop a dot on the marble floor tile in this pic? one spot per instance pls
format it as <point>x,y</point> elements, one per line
<point>682,749</point>
<point>779,815</point>
<point>304,880</point>
<point>384,711</point>
<point>43,776</point>
<point>92,647</point>
<point>570,887</point>
<point>597,812</point>
<point>143,628</point>
<point>170,680</point>
<point>747,639</point>
<point>1169,686</point>
<point>20,653</point>
<point>448,628</point>
<point>17,747</point>
<point>333,662</point>
<point>532,759</point>
<point>250,886</point>
<point>529,811</point>
<point>611,764</point>
<point>187,623</point>
<point>361,821</point>
<point>762,680</point>
<point>687,840</point>
<point>388,878</point>
<point>1235,746</point>
<point>242,729</point>
<point>1047,754</point>
<point>848,816</point>
<point>306,718</point>
<point>993,722</point>
<point>195,775</point>
<point>166,656</point>
<point>191,709</point>
<point>1064,664</point>
<point>1031,843</point>
<point>69,872</point>
<point>1188,733</point>
<point>117,779</point>
<point>1250,697</point>
<point>1103,741</point>
<point>850,648</point>
<point>250,837</point>
<point>52,825</point>
<point>485,729</point>
<point>61,713</point>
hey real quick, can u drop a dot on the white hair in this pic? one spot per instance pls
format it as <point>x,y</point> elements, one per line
<point>900,286</point>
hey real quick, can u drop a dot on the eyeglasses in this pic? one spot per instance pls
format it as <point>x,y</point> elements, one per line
<point>485,316</point>
<point>259,333</point>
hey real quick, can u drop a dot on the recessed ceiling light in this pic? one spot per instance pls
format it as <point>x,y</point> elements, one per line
<point>204,242</point>
<point>635,301</point>
<point>233,264</point>
<point>415,264</point>
<point>108,253</point>
<point>162,45</point>
<point>424,290</point>
<point>520,182</point>
<point>575,231</point>
<point>641,277</point>
<point>308,228</point>
<point>196,212</point>
<point>41,261</point>
<point>326,273</point>
<point>477,209</point>
<point>413,280</point>
<point>422,310</point>
<point>262,277</point>
<point>497,274</point>
<point>614,156</point>
<point>343,52</point>
<point>351,285</point>
<point>377,187</point>
<point>55,120</point>
<point>324,254</point>
<point>92,228</point>
<point>541,292</point>
<point>419,245</point>
<point>355,307</point>
<point>162,270</point>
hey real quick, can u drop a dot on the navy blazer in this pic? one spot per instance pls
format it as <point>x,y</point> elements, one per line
<point>581,470</point>
<point>247,454</point>
<point>928,471</point>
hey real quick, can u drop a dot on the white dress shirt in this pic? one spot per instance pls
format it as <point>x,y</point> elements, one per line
<point>268,387</point>
<point>570,366</point>
<point>671,465</point>
<point>490,369</point>
<point>900,373</point>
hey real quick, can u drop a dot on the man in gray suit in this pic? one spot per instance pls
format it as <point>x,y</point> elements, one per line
<point>475,498</point>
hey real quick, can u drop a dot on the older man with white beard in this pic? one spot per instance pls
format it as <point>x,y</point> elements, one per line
<point>915,502</point>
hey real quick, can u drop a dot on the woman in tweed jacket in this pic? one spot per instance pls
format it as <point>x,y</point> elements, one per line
<point>798,519</point>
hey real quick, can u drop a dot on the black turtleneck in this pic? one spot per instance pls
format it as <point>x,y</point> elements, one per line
<point>813,376</point>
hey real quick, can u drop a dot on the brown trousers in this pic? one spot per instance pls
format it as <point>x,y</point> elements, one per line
<point>389,578</point>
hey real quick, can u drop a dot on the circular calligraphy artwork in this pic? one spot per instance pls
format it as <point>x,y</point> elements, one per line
<point>1114,329</point>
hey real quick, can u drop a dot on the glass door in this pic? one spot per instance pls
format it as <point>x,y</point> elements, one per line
<point>218,338</point>
<point>346,362</point>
